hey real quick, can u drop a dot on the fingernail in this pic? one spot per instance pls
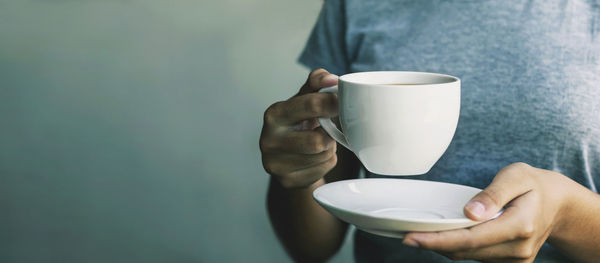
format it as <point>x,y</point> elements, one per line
<point>476,208</point>
<point>410,242</point>
<point>330,77</point>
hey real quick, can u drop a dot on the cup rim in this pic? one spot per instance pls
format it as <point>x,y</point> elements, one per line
<point>345,77</point>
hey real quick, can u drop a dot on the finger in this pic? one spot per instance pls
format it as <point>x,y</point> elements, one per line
<point>307,142</point>
<point>304,107</point>
<point>318,79</point>
<point>306,125</point>
<point>299,142</point>
<point>311,174</point>
<point>516,222</point>
<point>287,163</point>
<point>513,250</point>
<point>508,184</point>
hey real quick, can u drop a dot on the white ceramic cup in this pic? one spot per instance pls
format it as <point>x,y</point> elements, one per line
<point>396,129</point>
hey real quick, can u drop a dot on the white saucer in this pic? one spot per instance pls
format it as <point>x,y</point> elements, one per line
<point>392,207</point>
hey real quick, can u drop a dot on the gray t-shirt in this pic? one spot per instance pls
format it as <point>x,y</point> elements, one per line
<point>530,74</point>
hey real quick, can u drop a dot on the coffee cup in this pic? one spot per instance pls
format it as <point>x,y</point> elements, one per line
<point>396,122</point>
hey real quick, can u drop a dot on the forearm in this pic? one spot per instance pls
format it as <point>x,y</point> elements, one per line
<point>578,233</point>
<point>308,232</point>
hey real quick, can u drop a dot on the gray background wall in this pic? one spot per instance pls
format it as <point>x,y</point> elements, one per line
<point>129,129</point>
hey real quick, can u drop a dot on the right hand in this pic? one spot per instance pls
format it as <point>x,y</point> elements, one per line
<point>296,151</point>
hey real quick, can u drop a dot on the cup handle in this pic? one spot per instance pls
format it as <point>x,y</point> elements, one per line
<point>329,126</point>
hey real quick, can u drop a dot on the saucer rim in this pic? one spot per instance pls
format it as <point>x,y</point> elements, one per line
<point>464,220</point>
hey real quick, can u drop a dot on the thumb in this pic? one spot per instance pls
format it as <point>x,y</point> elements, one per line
<point>508,184</point>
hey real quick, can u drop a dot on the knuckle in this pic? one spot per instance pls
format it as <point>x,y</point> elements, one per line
<point>514,171</point>
<point>332,101</point>
<point>519,166</point>
<point>324,157</point>
<point>326,166</point>
<point>263,144</point>
<point>527,230</point>
<point>267,145</point>
<point>332,144</point>
<point>271,112</point>
<point>316,144</point>
<point>331,154</point>
<point>270,168</point>
<point>317,148</point>
<point>313,105</point>
<point>327,142</point>
<point>524,252</point>
<point>317,72</point>
<point>332,161</point>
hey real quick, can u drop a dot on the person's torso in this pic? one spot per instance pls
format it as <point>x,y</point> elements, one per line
<point>530,73</point>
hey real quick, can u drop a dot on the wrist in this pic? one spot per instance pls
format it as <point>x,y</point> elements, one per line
<point>569,195</point>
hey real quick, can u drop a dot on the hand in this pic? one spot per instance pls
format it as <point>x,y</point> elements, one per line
<point>295,150</point>
<point>532,199</point>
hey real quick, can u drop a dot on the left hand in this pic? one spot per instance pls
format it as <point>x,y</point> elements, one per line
<point>532,199</point>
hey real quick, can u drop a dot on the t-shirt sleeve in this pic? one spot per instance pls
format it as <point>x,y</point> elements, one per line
<point>325,47</point>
